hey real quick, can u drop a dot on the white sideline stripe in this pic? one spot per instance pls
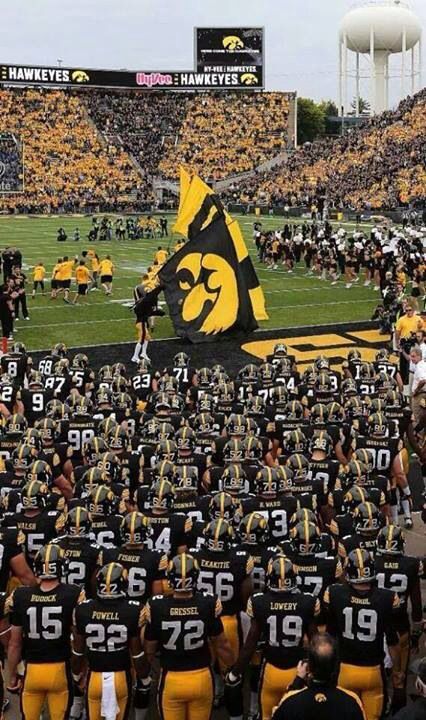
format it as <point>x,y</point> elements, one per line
<point>271,307</point>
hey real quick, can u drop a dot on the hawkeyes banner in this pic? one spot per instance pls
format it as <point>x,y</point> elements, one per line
<point>210,284</point>
<point>232,78</point>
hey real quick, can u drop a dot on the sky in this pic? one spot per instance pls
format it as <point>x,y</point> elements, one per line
<point>301,35</point>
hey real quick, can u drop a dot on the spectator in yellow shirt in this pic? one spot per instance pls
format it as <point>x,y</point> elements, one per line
<point>106,271</point>
<point>55,282</point>
<point>39,273</point>
<point>82,278</point>
<point>161,256</point>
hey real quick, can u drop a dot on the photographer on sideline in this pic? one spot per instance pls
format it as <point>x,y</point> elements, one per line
<point>406,326</point>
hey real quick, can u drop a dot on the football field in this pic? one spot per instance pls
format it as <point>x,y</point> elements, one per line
<point>293,300</point>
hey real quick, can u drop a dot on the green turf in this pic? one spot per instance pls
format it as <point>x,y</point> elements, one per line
<point>292,300</point>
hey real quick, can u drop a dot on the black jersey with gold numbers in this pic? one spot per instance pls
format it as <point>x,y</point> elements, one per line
<point>362,620</point>
<point>143,566</point>
<point>107,627</point>
<point>284,619</point>
<point>46,620</point>
<point>182,628</point>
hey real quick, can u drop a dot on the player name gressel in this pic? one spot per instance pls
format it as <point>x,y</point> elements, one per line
<point>184,611</point>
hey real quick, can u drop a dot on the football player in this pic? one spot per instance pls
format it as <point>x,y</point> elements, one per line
<point>145,568</point>
<point>401,573</point>
<point>182,627</point>
<point>107,634</point>
<point>79,551</point>
<point>361,615</point>
<point>282,616</point>
<point>41,622</point>
<point>226,572</point>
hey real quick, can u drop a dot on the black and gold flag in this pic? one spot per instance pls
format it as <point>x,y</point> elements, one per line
<point>210,284</point>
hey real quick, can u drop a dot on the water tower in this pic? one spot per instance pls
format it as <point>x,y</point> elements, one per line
<point>376,30</point>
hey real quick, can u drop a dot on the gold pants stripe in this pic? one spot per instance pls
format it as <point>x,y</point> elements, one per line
<point>186,695</point>
<point>368,684</point>
<point>122,685</point>
<point>49,682</point>
<point>273,684</point>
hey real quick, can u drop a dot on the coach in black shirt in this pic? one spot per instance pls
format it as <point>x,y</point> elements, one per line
<point>314,694</point>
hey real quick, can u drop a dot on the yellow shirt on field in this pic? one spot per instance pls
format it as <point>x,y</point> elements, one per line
<point>161,256</point>
<point>106,267</point>
<point>95,264</point>
<point>406,325</point>
<point>56,272</point>
<point>39,273</point>
<point>66,269</point>
<point>82,275</point>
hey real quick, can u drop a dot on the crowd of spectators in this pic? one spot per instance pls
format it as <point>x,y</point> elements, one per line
<point>225,134</point>
<point>143,124</point>
<point>378,165</point>
<point>100,150</point>
<point>66,165</point>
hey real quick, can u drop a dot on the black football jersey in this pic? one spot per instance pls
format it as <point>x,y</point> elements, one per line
<point>16,366</point>
<point>401,573</point>
<point>108,628</point>
<point>284,619</point>
<point>80,555</point>
<point>169,531</point>
<point>361,621</point>
<point>222,574</point>
<point>143,566</point>
<point>11,545</point>
<point>315,574</point>
<point>352,542</point>
<point>142,385</point>
<point>182,628</point>
<point>8,396</point>
<point>47,364</point>
<point>384,451</point>
<point>34,401</point>
<point>37,530</point>
<point>261,555</point>
<point>59,385</point>
<point>106,530</point>
<point>277,511</point>
<point>80,430</point>
<point>46,620</point>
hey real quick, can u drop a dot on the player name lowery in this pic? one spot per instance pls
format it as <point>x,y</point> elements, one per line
<point>283,606</point>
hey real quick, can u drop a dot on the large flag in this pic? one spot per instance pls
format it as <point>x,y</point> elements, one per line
<point>210,284</point>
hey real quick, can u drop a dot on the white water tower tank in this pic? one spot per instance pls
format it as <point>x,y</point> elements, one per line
<point>378,29</point>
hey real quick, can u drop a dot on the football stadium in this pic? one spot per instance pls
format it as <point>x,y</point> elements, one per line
<point>213,361</point>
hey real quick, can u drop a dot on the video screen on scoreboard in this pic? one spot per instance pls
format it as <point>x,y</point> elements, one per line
<point>229,48</point>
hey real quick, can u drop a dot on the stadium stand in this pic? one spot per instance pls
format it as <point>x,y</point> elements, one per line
<point>142,123</point>
<point>380,165</point>
<point>66,165</point>
<point>227,134</point>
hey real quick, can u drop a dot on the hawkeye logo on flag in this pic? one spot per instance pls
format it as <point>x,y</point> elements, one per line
<point>212,280</point>
<point>232,43</point>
